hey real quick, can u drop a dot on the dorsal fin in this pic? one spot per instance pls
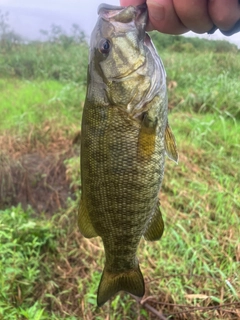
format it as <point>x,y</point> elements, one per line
<point>84,223</point>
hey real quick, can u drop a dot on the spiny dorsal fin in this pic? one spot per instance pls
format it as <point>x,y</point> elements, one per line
<point>170,144</point>
<point>130,281</point>
<point>156,226</point>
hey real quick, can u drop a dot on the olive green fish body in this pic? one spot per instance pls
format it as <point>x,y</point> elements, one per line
<point>123,146</point>
<point>121,178</point>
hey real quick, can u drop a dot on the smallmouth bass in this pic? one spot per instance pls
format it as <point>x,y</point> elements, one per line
<point>125,136</point>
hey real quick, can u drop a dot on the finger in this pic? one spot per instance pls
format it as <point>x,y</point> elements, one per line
<point>224,13</point>
<point>194,14</point>
<point>126,3</point>
<point>163,17</point>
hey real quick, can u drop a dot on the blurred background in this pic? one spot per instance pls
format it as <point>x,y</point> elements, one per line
<point>28,17</point>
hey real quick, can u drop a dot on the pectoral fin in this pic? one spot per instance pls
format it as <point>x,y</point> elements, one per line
<point>84,222</point>
<point>170,144</point>
<point>147,137</point>
<point>156,226</point>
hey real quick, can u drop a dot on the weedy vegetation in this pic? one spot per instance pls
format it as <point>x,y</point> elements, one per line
<point>47,269</point>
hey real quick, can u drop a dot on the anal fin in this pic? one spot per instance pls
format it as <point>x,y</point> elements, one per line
<point>156,227</point>
<point>84,223</point>
<point>130,281</point>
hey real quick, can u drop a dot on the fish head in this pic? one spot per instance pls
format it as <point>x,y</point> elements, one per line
<point>124,66</point>
<point>117,40</point>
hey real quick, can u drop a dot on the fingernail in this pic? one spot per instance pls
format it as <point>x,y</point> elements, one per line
<point>156,10</point>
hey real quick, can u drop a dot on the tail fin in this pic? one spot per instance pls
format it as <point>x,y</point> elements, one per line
<point>130,281</point>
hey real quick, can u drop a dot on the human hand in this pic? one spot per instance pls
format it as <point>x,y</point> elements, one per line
<point>200,16</point>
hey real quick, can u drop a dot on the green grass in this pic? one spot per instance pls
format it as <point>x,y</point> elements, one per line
<point>24,241</point>
<point>203,218</point>
<point>45,61</point>
<point>204,82</point>
<point>49,271</point>
<point>25,103</point>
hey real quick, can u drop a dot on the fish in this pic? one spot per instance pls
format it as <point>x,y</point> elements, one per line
<point>125,137</point>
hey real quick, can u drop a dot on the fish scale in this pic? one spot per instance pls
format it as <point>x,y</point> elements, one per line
<point>123,146</point>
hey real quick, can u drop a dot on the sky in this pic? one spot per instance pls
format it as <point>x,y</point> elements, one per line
<point>27,17</point>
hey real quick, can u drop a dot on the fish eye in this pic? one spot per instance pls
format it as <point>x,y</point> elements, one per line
<point>104,46</point>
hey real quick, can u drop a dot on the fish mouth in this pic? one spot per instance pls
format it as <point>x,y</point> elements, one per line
<point>108,7</point>
<point>124,14</point>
